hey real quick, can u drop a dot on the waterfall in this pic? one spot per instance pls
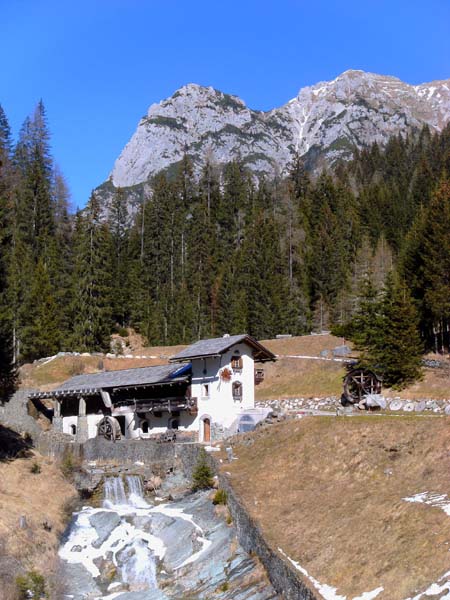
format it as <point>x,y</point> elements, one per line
<point>134,484</point>
<point>135,491</point>
<point>135,560</point>
<point>114,492</point>
<point>138,566</point>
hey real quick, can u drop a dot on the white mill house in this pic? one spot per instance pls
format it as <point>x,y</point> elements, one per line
<point>207,391</point>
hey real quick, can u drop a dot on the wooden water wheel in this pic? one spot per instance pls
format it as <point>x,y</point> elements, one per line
<point>359,383</point>
<point>109,428</point>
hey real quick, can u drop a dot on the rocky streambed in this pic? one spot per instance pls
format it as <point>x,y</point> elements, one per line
<point>133,548</point>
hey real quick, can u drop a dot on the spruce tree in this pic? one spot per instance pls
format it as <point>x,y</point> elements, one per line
<point>91,284</point>
<point>41,336</point>
<point>118,225</point>
<point>367,325</point>
<point>400,348</point>
<point>8,374</point>
<point>436,264</point>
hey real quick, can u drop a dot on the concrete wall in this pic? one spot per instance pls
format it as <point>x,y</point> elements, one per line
<point>284,577</point>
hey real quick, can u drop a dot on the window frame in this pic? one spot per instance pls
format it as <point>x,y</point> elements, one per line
<point>237,386</point>
<point>237,364</point>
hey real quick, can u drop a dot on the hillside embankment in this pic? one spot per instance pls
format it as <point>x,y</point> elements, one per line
<point>358,505</point>
<point>36,501</point>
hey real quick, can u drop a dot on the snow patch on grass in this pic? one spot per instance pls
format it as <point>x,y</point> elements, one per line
<point>441,501</point>
<point>436,588</point>
<point>326,591</point>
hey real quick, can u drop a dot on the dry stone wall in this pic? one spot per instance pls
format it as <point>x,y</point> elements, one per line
<point>284,578</point>
<point>333,404</point>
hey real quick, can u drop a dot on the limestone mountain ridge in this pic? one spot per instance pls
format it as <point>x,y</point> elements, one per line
<point>323,123</point>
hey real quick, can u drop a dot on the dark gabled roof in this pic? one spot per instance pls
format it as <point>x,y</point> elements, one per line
<point>119,379</point>
<point>218,346</point>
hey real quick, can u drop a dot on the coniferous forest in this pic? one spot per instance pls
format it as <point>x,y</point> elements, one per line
<point>223,252</point>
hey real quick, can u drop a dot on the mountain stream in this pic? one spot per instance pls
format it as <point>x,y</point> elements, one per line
<point>131,549</point>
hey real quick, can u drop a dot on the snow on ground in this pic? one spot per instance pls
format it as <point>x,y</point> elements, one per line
<point>326,591</point>
<point>441,501</point>
<point>83,535</point>
<point>436,588</point>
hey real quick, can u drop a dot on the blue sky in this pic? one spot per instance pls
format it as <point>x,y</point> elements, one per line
<point>99,64</point>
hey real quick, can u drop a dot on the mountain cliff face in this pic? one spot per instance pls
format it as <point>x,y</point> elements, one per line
<point>324,123</point>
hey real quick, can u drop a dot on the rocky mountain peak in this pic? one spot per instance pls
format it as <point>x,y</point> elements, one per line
<point>324,123</point>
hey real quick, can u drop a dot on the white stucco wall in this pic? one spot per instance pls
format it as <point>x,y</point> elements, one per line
<point>219,406</point>
<point>68,422</point>
<point>160,424</point>
<point>93,421</point>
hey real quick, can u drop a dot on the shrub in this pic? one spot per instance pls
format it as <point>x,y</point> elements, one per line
<point>220,497</point>
<point>31,585</point>
<point>69,465</point>
<point>224,587</point>
<point>76,367</point>
<point>202,476</point>
<point>35,468</point>
<point>122,331</point>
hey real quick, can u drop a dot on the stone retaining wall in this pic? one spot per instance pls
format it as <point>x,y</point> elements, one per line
<point>283,576</point>
<point>158,458</point>
<point>130,451</point>
<point>332,403</point>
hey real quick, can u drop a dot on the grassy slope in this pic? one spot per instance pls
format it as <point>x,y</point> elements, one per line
<point>41,498</point>
<point>329,492</point>
<point>286,378</point>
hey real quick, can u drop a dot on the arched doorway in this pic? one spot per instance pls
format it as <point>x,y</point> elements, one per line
<point>73,429</point>
<point>206,429</point>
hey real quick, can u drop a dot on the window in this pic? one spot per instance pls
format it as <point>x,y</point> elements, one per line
<point>205,390</point>
<point>173,423</point>
<point>237,390</point>
<point>236,363</point>
<point>73,429</point>
<point>144,426</point>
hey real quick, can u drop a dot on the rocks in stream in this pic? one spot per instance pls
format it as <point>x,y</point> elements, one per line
<point>179,538</point>
<point>145,595</point>
<point>174,551</point>
<point>78,582</point>
<point>103,523</point>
